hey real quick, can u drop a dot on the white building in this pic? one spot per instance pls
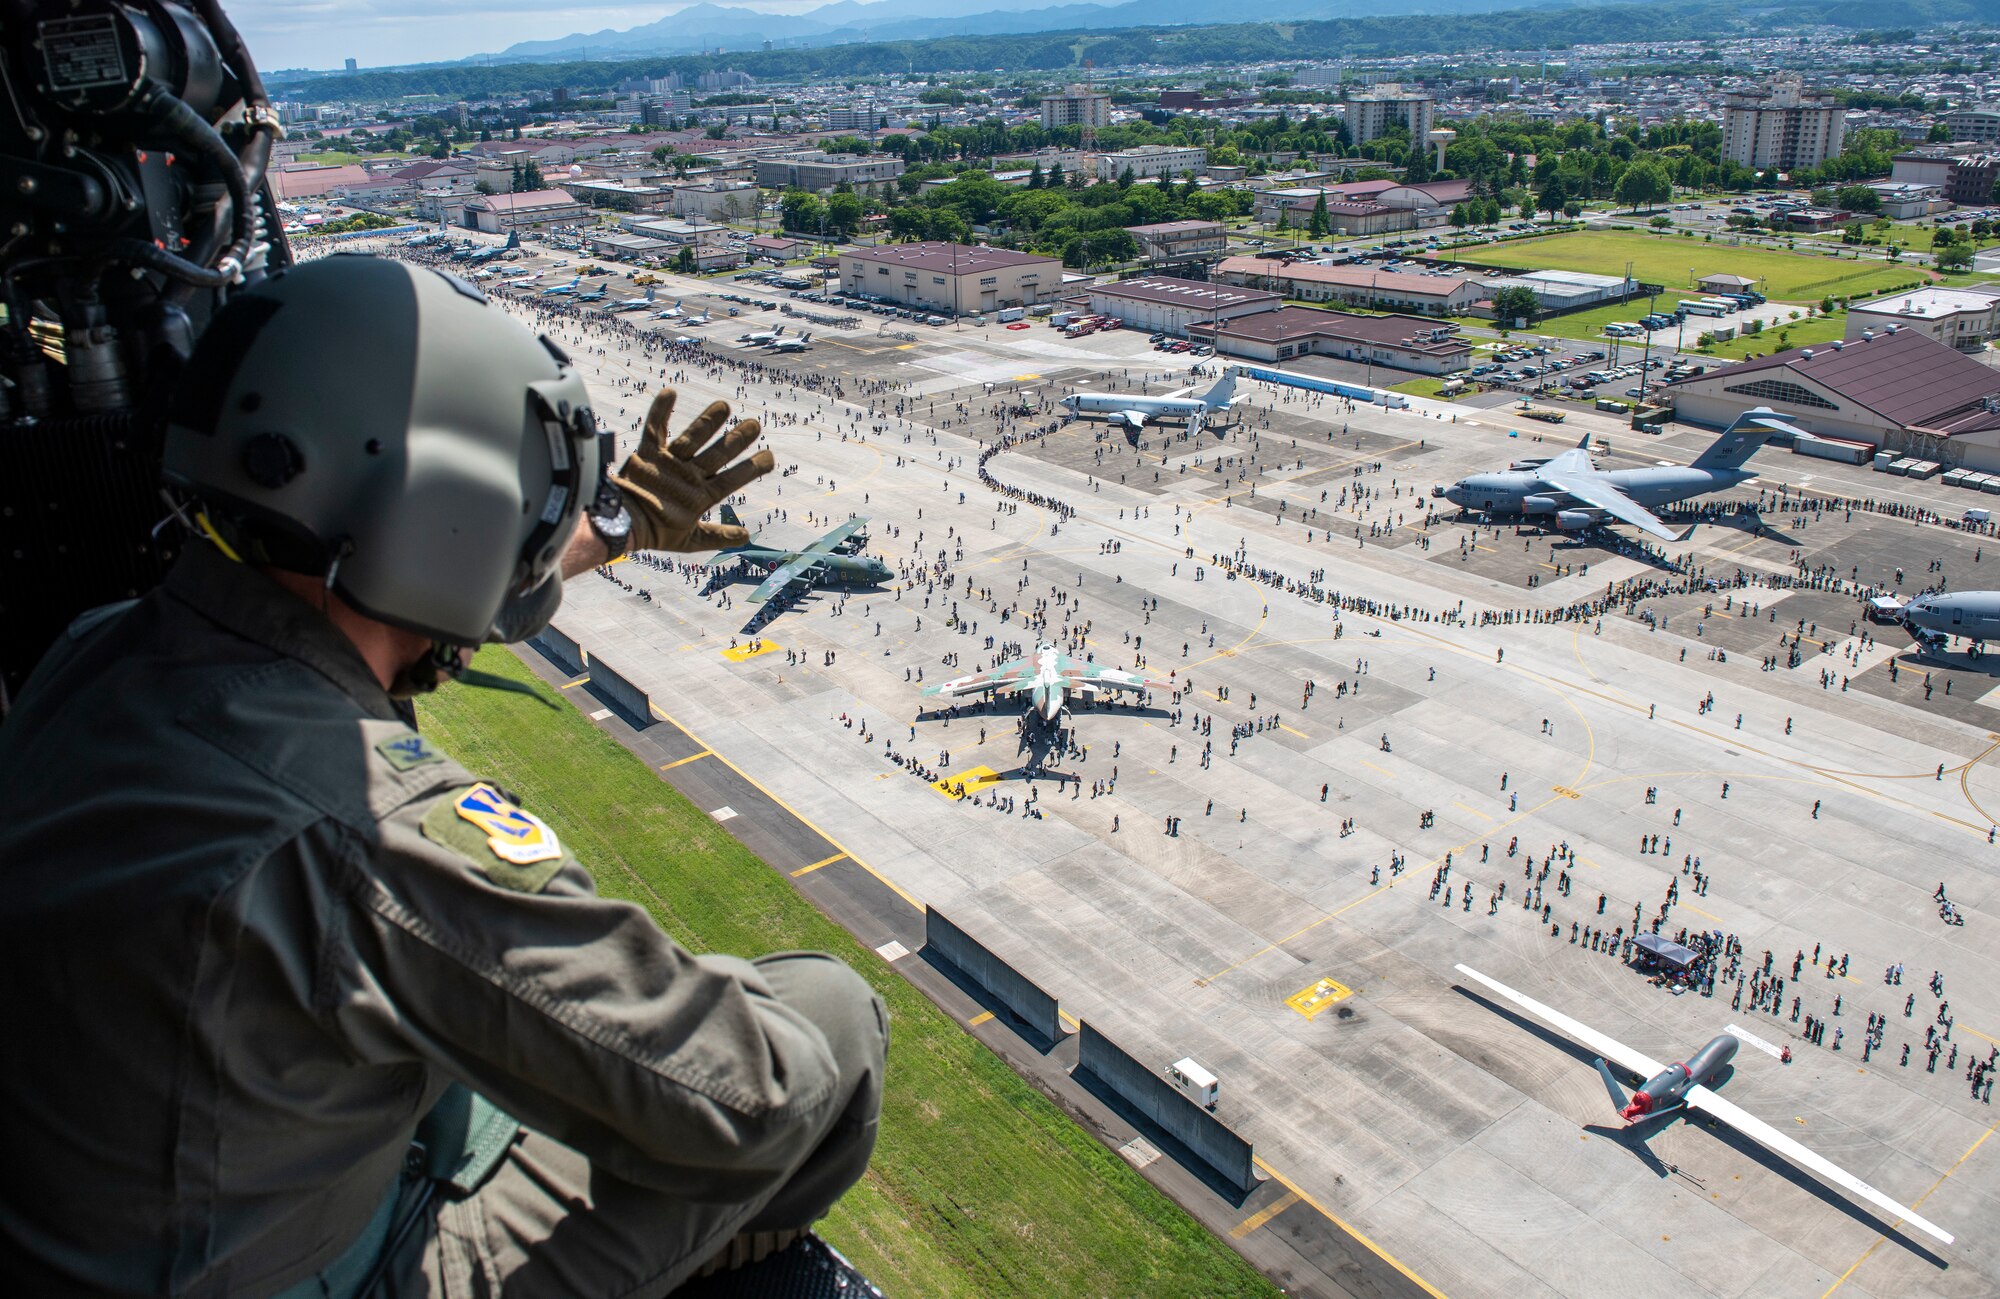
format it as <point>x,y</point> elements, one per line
<point>1152,161</point>
<point>1961,318</point>
<point>1781,126</point>
<point>1373,111</point>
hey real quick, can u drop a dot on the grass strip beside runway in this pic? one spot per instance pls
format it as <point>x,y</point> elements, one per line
<point>980,1185</point>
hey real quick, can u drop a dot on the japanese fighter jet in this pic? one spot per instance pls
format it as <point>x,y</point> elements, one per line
<point>1048,678</point>
<point>798,343</point>
<point>633,304</point>
<point>838,552</point>
<point>560,290</point>
<point>1575,494</point>
<point>1133,411</point>
<point>1672,1088</point>
<point>596,294</point>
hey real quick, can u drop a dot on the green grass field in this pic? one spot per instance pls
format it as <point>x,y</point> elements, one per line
<point>1775,338</point>
<point>1789,277</point>
<point>339,157</point>
<point>1424,387</point>
<point>980,1186</point>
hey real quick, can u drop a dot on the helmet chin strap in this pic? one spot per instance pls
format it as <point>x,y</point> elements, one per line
<point>445,661</point>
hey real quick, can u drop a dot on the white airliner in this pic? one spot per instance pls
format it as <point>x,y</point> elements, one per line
<point>1669,1088</point>
<point>1134,411</point>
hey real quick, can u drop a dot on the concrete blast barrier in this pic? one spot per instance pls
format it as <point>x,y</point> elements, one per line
<point>559,647</point>
<point>1146,1090</point>
<point>620,693</point>
<point>1018,994</point>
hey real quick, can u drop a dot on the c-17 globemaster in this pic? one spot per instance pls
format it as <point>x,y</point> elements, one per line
<point>1574,494</point>
<point>1048,678</point>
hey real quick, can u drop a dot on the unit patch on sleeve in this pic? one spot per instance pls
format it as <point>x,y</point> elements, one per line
<point>406,751</point>
<point>514,848</point>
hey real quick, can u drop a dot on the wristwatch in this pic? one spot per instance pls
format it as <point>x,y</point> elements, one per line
<point>610,520</point>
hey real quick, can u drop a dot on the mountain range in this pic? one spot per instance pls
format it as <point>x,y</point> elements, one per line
<point>707,26</point>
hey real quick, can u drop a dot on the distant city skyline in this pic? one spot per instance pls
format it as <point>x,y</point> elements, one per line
<point>324,33</point>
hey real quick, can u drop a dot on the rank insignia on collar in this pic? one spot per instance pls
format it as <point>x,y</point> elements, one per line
<point>515,836</point>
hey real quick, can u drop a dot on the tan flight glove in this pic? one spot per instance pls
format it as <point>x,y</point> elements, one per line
<point>669,486</point>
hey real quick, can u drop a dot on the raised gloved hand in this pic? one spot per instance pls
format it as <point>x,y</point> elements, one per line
<point>668,486</point>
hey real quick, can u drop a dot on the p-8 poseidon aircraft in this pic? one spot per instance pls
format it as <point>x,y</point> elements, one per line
<point>1048,678</point>
<point>1668,1089</point>
<point>1133,411</point>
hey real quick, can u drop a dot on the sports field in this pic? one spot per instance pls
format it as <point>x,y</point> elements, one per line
<point>1678,263</point>
<point>980,1186</point>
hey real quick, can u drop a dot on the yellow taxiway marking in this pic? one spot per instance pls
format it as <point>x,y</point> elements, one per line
<point>1914,1204</point>
<point>979,1019</point>
<point>797,815</point>
<point>1263,1215</point>
<point>744,653</point>
<point>1384,770</point>
<point>583,680</point>
<point>904,347</point>
<point>1475,811</point>
<point>1336,1220</point>
<point>824,861</point>
<point>692,757</point>
<point>1311,1001</point>
<point>1301,734</point>
<point>972,780</point>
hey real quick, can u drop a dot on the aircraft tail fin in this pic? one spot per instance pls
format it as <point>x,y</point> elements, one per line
<point>1611,1087</point>
<point>513,239</point>
<point>1737,444</point>
<point>1224,392</point>
<point>726,513</point>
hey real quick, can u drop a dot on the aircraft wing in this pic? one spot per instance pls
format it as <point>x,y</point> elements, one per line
<point>1095,676</point>
<point>838,535</point>
<point>785,575</point>
<point>1003,677</point>
<point>1132,419</point>
<point>1591,488</point>
<point>1713,1105</point>
<point>1608,1047</point>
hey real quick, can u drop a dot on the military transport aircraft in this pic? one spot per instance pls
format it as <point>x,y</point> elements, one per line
<point>1932,620</point>
<point>1134,411</point>
<point>1670,1089</point>
<point>1048,678</point>
<point>494,254</point>
<point>1576,494</point>
<point>838,552</point>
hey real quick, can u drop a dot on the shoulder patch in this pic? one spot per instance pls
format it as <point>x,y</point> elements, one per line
<point>406,751</point>
<point>513,848</point>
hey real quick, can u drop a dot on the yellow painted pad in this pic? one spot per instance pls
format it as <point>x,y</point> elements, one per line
<point>904,347</point>
<point>1026,378</point>
<point>1311,1001</point>
<point>744,653</point>
<point>972,780</point>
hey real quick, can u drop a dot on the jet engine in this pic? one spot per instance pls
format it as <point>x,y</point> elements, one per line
<point>1577,520</point>
<point>1540,504</point>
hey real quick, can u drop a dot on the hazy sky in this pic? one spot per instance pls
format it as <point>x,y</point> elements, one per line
<point>321,33</point>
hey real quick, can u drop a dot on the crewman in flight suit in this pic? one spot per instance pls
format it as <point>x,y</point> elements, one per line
<point>254,928</point>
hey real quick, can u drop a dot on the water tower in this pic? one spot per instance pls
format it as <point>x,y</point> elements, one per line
<point>1438,140</point>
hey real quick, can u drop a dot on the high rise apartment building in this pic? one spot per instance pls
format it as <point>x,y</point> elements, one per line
<point>1076,107</point>
<point>1781,126</point>
<point>1372,111</point>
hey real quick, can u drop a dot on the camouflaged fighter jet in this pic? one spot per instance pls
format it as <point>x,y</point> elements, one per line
<point>1048,678</point>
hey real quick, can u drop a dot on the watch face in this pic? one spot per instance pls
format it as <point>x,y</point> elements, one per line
<point>617,525</point>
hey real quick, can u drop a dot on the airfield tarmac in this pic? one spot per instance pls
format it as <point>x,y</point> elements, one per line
<point>1476,1152</point>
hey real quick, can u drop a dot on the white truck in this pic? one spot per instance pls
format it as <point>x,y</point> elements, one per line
<point>1193,1082</point>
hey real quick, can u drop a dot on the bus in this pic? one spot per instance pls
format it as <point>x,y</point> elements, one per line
<point>1706,307</point>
